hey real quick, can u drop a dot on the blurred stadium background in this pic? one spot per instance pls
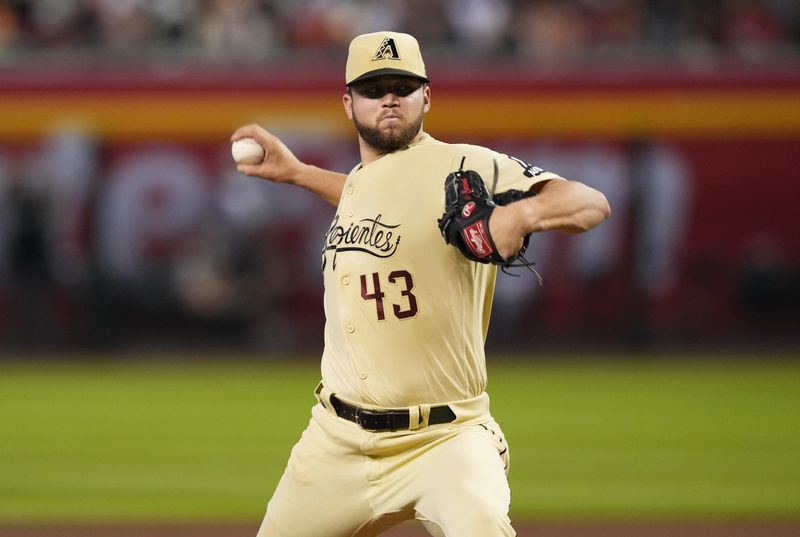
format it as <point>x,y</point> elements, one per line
<point>124,221</point>
<point>126,231</point>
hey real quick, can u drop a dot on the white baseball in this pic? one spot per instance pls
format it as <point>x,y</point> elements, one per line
<point>247,151</point>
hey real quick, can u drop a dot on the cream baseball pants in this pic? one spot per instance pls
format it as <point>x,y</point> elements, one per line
<point>343,481</point>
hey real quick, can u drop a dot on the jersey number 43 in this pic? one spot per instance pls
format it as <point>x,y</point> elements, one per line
<point>398,277</point>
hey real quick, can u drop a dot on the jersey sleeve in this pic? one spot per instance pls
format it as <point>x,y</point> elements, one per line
<point>501,172</point>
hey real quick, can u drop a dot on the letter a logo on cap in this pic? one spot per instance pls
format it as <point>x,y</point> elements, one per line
<point>386,51</point>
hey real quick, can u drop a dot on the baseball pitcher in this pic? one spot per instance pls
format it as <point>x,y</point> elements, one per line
<point>402,426</point>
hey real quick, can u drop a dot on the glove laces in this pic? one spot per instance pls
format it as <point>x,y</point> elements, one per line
<point>525,263</point>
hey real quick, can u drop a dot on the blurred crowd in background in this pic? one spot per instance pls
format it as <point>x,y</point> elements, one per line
<point>162,244</point>
<point>153,244</point>
<point>698,32</point>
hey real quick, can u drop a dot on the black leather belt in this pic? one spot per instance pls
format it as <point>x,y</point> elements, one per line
<point>387,420</point>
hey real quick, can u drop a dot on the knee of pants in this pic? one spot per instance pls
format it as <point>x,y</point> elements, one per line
<point>473,509</point>
<point>469,521</point>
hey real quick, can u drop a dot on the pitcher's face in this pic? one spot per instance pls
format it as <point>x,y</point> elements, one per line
<point>388,111</point>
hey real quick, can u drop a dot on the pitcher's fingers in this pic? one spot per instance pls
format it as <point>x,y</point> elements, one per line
<point>247,169</point>
<point>246,131</point>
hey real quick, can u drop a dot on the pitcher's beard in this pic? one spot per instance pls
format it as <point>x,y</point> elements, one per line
<point>389,140</point>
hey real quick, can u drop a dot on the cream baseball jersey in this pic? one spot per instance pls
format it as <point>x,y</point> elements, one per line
<point>407,315</point>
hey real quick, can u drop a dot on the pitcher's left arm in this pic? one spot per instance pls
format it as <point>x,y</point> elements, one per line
<point>560,205</point>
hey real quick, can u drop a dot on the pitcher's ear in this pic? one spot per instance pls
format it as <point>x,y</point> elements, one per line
<point>347,102</point>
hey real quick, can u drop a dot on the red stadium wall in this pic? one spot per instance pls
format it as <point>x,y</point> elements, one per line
<point>738,133</point>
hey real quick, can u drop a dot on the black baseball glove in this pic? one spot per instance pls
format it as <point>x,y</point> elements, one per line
<point>465,222</point>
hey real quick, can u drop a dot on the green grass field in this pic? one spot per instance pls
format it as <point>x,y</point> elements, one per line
<point>150,440</point>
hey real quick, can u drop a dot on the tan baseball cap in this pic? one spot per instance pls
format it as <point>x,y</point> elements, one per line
<point>384,53</point>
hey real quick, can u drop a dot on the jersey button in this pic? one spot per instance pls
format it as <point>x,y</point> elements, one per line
<point>350,328</point>
<point>349,189</point>
<point>362,375</point>
<point>346,280</point>
<point>350,213</point>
